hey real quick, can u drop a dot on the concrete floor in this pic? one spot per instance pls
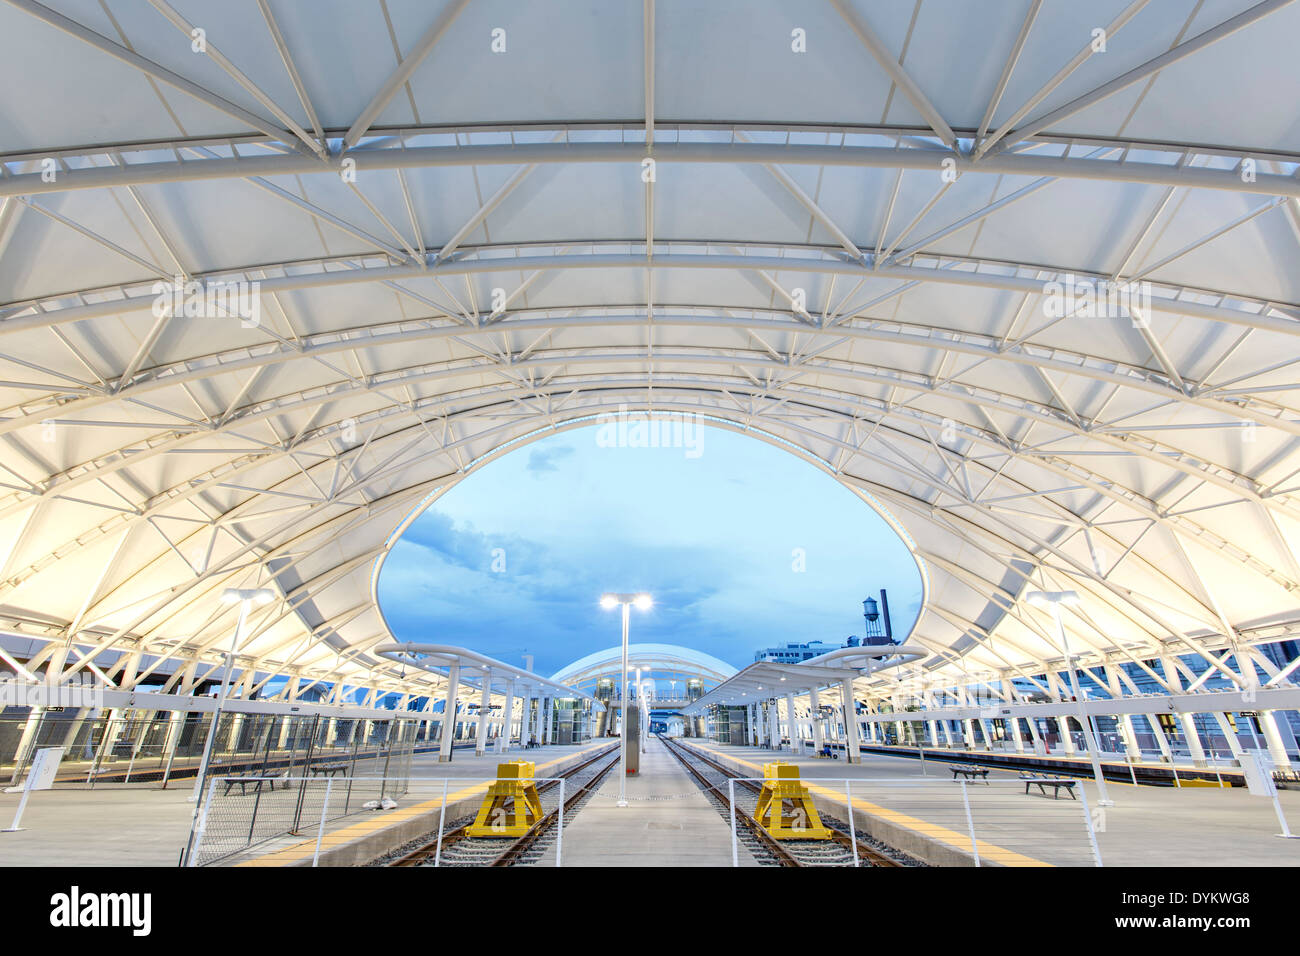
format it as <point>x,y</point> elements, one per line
<point>131,826</point>
<point>667,822</point>
<point>116,825</point>
<point>1148,826</point>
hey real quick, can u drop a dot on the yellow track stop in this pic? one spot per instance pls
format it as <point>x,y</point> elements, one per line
<point>514,782</point>
<point>781,783</point>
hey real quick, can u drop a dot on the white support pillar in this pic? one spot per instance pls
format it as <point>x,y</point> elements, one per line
<point>1186,721</point>
<point>1040,747</point>
<point>427,719</point>
<point>774,712</point>
<point>549,705</point>
<point>814,716</point>
<point>1016,734</point>
<point>1225,727</point>
<point>508,716</point>
<point>791,729</point>
<point>851,748</point>
<point>1276,748</point>
<point>1193,738</point>
<point>449,714</point>
<point>1067,739</point>
<point>287,722</point>
<point>25,742</point>
<point>484,697</point>
<point>1161,740</point>
<point>1129,735</point>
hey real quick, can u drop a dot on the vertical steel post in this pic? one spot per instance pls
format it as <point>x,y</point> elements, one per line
<point>731,799</point>
<point>559,832</point>
<point>853,829</point>
<point>1087,821</point>
<point>442,818</point>
<point>320,833</point>
<point>192,854</point>
<point>970,823</point>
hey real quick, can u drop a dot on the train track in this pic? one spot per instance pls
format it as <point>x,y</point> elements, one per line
<point>713,779</point>
<point>458,848</point>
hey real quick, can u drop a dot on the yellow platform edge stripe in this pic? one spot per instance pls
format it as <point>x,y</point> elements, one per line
<point>958,841</point>
<point>341,837</point>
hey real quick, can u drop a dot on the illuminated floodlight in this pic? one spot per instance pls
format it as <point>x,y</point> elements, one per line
<point>255,595</point>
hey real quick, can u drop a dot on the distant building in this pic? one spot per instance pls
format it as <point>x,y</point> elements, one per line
<point>792,653</point>
<point>879,631</point>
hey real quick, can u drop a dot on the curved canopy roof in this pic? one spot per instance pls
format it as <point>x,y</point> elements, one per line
<point>838,226</point>
<point>653,657</point>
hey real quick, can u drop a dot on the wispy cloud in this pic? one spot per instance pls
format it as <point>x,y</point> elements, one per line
<point>545,459</point>
<point>514,558</point>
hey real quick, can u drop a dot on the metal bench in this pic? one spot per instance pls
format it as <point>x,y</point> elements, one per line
<point>256,778</point>
<point>1056,783</point>
<point>328,769</point>
<point>969,772</point>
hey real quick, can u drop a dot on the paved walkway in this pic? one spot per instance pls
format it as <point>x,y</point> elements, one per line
<point>668,822</point>
<point>1148,826</point>
<point>116,825</point>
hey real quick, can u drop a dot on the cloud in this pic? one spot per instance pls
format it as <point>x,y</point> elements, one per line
<point>508,566</point>
<point>544,459</point>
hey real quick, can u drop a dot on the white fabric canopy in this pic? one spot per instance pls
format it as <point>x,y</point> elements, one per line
<point>854,252</point>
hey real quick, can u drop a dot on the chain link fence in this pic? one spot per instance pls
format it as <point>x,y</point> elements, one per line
<point>157,748</point>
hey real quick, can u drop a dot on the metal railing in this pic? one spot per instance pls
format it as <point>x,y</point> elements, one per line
<point>998,822</point>
<point>162,747</point>
<point>240,814</point>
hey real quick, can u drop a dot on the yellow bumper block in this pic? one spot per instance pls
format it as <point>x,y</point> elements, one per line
<point>514,785</point>
<point>781,784</point>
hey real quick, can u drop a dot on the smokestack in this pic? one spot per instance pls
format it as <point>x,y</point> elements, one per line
<point>528,663</point>
<point>884,613</point>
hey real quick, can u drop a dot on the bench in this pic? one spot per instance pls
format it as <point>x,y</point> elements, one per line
<point>327,769</point>
<point>256,778</point>
<point>1056,783</point>
<point>1286,779</point>
<point>969,772</point>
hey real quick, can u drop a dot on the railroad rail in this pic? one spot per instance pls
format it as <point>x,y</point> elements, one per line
<point>458,848</point>
<point>712,777</point>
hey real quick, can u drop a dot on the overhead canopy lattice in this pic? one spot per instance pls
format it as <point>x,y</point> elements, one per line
<point>851,229</point>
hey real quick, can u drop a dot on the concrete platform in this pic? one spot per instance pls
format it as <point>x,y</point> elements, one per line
<point>138,826</point>
<point>668,822</point>
<point>360,838</point>
<point>1148,826</point>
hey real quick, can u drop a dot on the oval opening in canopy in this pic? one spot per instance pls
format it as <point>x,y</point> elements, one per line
<point>742,545</point>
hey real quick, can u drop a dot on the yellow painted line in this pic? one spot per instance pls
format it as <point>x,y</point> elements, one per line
<point>341,837</point>
<point>959,841</point>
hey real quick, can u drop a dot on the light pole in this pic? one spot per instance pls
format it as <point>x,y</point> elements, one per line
<point>244,597</point>
<point>1054,600</point>
<point>643,603</point>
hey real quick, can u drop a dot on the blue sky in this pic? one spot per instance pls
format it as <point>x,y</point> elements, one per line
<point>513,560</point>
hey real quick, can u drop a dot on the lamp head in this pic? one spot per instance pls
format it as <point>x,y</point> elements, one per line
<point>1048,598</point>
<point>255,595</point>
<point>608,601</point>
